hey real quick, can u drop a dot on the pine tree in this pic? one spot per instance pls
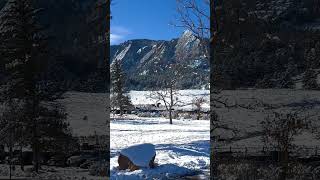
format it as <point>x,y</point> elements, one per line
<point>23,46</point>
<point>310,80</point>
<point>97,49</point>
<point>20,43</point>
<point>119,98</point>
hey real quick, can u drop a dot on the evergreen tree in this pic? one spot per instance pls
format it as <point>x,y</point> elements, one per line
<point>310,80</point>
<point>98,81</point>
<point>20,43</point>
<point>118,98</point>
<point>23,46</point>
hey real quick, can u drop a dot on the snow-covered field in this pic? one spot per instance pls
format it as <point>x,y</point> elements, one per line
<point>186,96</point>
<point>91,105</point>
<point>78,105</point>
<point>181,148</point>
<point>94,107</point>
<point>248,121</point>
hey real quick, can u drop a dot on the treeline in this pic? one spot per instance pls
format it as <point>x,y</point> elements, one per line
<point>266,44</point>
<point>36,70</point>
<point>76,41</point>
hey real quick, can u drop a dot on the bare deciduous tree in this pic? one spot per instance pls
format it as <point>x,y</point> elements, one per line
<point>194,15</point>
<point>198,102</point>
<point>280,130</point>
<point>169,95</point>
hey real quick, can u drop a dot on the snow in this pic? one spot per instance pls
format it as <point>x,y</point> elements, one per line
<point>246,122</point>
<point>144,72</point>
<point>182,148</point>
<point>121,55</point>
<point>148,55</point>
<point>91,105</point>
<point>187,41</point>
<point>271,9</point>
<point>162,172</point>
<point>186,96</point>
<point>187,33</point>
<point>141,49</point>
<point>140,154</point>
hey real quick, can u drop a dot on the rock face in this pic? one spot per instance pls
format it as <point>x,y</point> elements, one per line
<point>136,157</point>
<point>147,60</point>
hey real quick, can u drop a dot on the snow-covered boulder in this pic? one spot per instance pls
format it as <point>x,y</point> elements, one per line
<point>137,156</point>
<point>75,161</point>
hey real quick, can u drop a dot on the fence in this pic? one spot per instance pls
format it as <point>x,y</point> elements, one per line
<point>265,153</point>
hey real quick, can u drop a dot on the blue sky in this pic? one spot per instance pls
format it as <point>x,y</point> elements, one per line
<point>143,19</point>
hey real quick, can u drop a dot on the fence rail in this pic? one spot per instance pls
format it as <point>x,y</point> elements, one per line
<point>274,153</point>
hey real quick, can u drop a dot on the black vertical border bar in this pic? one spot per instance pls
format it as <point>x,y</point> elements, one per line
<point>211,89</point>
<point>213,33</point>
<point>107,71</point>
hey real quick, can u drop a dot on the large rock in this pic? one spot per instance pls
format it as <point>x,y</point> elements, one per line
<point>137,157</point>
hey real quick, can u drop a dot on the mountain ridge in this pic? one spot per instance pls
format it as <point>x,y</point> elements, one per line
<point>145,57</point>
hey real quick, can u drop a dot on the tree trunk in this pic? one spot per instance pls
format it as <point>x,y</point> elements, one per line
<point>21,159</point>
<point>35,140</point>
<point>170,116</point>
<point>171,104</point>
<point>11,155</point>
<point>121,110</point>
<point>284,165</point>
<point>119,99</point>
<point>198,115</point>
<point>35,150</point>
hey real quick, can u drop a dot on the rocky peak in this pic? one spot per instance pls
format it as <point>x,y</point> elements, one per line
<point>144,58</point>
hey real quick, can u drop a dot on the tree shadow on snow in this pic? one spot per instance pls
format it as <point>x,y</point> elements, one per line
<point>164,171</point>
<point>159,131</point>
<point>309,103</point>
<point>195,148</point>
<point>137,122</point>
<point>167,171</point>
